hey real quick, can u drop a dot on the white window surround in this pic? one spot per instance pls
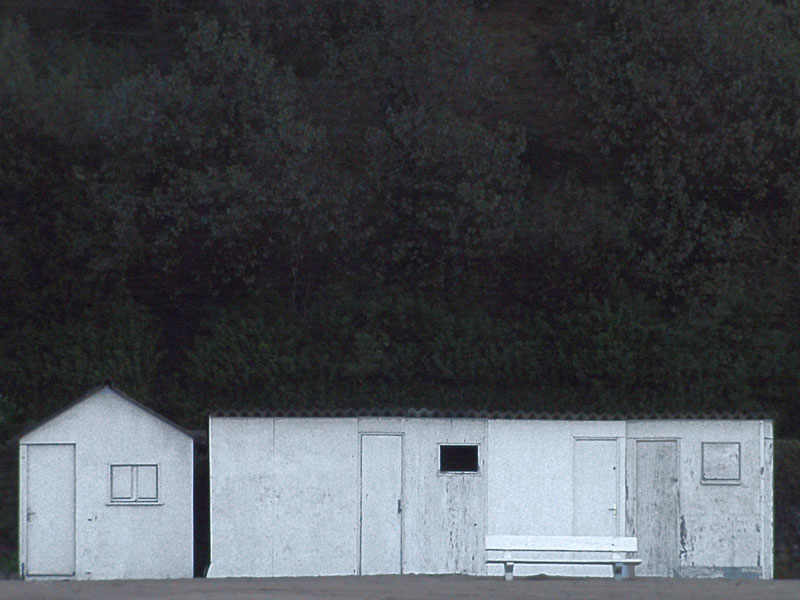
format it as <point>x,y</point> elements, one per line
<point>133,484</point>
<point>721,463</point>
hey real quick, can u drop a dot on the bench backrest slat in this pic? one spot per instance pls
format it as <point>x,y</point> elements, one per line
<point>556,543</point>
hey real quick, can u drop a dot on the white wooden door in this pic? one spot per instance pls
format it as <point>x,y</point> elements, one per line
<point>50,510</point>
<point>596,487</point>
<point>381,508</point>
<point>656,506</point>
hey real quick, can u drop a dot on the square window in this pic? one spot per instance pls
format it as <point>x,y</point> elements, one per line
<point>134,484</point>
<point>721,462</point>
<point>458,458</point>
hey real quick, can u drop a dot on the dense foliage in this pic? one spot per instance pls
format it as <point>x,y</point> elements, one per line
<point>310,204</point>
<point>787,508</point>
<point>281,203</point>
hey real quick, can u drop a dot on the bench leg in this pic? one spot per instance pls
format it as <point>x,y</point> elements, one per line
<point>509,570</point>
<point>623,571</point>
<point>628,571</point>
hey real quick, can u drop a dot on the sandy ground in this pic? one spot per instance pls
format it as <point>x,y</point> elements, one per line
<point>406,587</point>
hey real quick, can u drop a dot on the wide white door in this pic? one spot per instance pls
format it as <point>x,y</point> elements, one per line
<point>381,508</point>
<point>50,511</point>
<point>596,487</point>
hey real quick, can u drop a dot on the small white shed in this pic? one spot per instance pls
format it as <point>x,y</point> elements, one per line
<point>418,492</point>
<point>105,492</point>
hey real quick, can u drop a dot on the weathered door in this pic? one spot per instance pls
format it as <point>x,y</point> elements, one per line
<point>596,487</point>
<point>381,508</point>
<point>50,510</point>
<point>656,507</point>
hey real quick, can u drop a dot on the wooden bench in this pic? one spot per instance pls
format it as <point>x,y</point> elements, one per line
<point>518,549</point>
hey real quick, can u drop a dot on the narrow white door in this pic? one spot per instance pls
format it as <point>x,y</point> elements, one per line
<point>381,508</point>
<point>657,507</point>
<point>50,511</point>
<point>596,487</point>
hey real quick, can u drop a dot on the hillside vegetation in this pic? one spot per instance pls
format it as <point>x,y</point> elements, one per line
<point>580,206</point>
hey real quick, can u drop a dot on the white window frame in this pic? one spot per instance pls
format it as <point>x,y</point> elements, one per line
<point>136,497</point>
<point>707,478</point>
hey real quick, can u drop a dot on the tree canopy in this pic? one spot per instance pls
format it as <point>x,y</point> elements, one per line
<point>275,202</point>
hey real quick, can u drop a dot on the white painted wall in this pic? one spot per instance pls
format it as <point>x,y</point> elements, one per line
<point>283,497</point>
<point>444,515</point>
<point>723,529</point>
<point>531,492</point>
<point>286,493</point>
<point>767,502</point>
<point>118,541</point>
<point>316,474</point>
<point>242,492</point>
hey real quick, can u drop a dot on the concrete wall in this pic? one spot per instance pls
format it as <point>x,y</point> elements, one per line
<point>724,525</point>
<point>121,541</point>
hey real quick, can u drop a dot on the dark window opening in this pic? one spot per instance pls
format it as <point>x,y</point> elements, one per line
<point>458,459</point>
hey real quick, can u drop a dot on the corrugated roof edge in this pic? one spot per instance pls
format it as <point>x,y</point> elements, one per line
<point>92,392</point>
<point>469,413</point>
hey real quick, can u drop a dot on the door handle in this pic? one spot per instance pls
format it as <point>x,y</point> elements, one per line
<point>399,507</point>
<point>28,515</point>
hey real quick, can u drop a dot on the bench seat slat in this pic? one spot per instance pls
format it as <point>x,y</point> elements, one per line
<point>549,543</point>
<point>567,561</point>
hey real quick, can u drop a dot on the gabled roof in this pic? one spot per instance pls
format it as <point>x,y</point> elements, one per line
<point>105,385</point>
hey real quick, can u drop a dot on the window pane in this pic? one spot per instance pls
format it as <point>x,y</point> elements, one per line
<point>121,482</point>
<point>458,459</point>
<point>147,483</point>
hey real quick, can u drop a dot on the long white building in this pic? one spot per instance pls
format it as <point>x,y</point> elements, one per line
<point>329,495</point>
